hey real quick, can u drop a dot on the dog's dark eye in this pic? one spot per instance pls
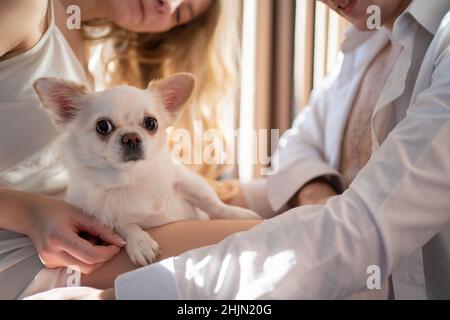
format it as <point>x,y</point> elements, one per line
<point>104,127</point>
<point>150,124</point>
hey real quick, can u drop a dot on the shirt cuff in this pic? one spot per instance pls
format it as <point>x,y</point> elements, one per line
<point>255,193</point>
<point>282,186</point>
<point>154,282</point>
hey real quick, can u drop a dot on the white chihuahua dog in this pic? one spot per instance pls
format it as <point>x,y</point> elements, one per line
<point>114,146</point>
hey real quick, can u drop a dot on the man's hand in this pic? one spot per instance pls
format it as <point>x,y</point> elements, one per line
<point>317,191</point>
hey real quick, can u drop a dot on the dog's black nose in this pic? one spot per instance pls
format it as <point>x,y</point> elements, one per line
<point>132,147</point>
<point>132,140</point>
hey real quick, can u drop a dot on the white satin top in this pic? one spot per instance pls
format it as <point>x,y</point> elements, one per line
<point>27,159</point>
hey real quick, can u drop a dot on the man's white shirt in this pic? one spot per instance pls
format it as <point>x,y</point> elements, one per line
<point>395,215</point>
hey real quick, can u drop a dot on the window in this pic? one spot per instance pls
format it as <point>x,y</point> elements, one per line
<point>318,35</point>
<point>288,47</point>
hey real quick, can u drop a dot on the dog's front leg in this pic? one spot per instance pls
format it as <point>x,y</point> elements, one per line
<point>141,247</point>
<point>199,194</point>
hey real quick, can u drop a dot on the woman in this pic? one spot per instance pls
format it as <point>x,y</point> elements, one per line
<point>38,229</point>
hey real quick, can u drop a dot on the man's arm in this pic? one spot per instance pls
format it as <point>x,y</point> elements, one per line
<point>317,191</point>
<point>302,174</point>
<point>300,159</point>
<point>395,205</point>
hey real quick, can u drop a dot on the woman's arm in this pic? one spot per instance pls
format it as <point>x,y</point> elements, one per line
<point>13,215</point>
<point>174,239</point>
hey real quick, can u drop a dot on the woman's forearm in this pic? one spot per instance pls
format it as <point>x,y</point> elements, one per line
<point>14,215</point>
<point>174,239</point>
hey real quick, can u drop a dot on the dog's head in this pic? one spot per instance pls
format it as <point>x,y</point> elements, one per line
<point>119,126</point>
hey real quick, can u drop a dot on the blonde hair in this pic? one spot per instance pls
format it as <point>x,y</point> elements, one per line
<point>207,47</point>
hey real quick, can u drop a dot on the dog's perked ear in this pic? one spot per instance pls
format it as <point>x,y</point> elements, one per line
<point>60,98</point>
<point>175,91</point>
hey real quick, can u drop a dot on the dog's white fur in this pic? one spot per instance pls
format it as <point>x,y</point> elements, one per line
<point>129,196</point>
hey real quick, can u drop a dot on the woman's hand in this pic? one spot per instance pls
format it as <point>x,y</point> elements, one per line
<point>55,231</point>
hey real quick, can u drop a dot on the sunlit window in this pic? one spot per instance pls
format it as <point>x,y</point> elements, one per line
<point>288,48</point>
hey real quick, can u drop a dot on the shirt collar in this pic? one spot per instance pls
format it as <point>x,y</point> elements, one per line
<point>353,38</point>
<point>428,14</point>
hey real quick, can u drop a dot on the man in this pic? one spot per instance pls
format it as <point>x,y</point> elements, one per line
<point>378,129</point>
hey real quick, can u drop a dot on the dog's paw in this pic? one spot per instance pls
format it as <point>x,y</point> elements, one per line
<point>247,214</point>
<point>142,249</point>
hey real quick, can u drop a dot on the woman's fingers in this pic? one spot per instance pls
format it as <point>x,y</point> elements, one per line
<point>98,229</point>
<point>86,252</point>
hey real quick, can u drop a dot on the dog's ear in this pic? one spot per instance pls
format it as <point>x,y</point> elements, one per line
<point>60,98</point>
<point>174,91</point>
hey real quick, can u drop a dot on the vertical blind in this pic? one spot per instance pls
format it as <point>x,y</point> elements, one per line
<point>289,46</point>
